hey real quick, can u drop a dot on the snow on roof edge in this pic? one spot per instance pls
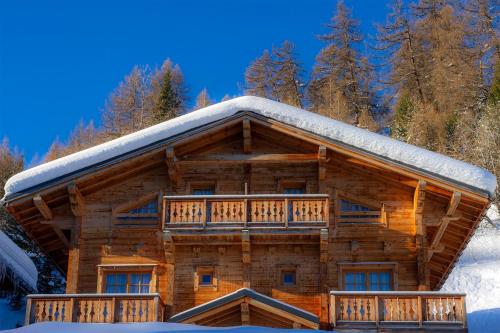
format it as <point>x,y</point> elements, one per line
<point>18,261</point>
<point>416,157</point>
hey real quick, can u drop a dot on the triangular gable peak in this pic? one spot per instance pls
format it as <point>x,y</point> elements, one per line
<point>244,307</point>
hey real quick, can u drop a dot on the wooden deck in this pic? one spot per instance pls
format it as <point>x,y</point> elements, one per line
<point>94,308</point>
<point>398,310</point>
<point>246,211</point>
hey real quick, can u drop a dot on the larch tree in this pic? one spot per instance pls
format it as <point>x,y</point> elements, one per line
<point>337,88</point>
<point>203,100</point>
<point>258,76</point>
<point>126,109</point>
<point>286,79</point>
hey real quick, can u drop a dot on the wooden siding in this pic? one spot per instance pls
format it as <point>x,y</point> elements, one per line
<point>254,259</point>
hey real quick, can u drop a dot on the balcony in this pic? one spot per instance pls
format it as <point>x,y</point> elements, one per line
<point>397,310</point>
<point>246,211</point>
<point>94,308</point>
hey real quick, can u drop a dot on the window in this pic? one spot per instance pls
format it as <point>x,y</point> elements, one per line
<point>205,278</point>
<point>126,278</point>
<point>204,191</point>
<point>367,280</point>
<point>294,190</point>
<point>127,282</point>
<point>288,278</point>
<point>142,211</point>
<point>351,210</point>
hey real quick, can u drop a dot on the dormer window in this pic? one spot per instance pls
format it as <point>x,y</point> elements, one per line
<point>144,211</point>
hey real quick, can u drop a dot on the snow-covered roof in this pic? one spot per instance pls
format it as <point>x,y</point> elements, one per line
<point>375,144</point>
<point>15,260</point>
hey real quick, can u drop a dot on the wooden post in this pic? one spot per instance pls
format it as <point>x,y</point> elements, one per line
<point>27,318</point>
<point>377,312</point>
<point>74,257</point>
<point>419,310</point>
<point>333,312</point>
<point>245,314</point>
<point>287,217</point>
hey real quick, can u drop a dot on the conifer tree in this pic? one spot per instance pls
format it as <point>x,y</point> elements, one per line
<point>494,93</point>
<point>171,99</point>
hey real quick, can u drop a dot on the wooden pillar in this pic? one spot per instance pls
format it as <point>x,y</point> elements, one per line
<point>323,277</point>
<point>169,249</point>
<point>423,273</point>
<point>246,257</point>
<point>74,257</point>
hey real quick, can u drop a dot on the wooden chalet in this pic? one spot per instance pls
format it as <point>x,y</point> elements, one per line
<point>250,212</point>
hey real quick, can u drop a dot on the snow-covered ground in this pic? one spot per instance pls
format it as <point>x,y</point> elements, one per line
<point>143,328</point>
<point>477,273</point>
<point>9,318</point>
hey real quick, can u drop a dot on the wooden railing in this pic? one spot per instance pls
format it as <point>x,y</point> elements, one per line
<point>246,210</point>
<point>397,309</point>
<point>94,308</point>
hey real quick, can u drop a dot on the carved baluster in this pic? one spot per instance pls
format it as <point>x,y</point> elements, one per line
<point>368,309</point>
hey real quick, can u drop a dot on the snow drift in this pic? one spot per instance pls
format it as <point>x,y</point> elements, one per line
<point>15,261</point>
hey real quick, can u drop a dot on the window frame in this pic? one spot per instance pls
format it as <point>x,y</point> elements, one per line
<point>378,209</point>
<point>200,185</point>
<point>205,270</point>
<point>368,267</point>
<point>144,220</point>
<point>128,269</point>
<point>285,269</point>
<point>292,183</point>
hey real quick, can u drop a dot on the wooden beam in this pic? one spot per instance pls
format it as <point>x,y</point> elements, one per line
<point>61,236</point>
<point>245,314</point>
<point>172,165</point>
<point>453,218</point>
<point>42,207</point>
<point>453,205</point>
<point>418,205</point>
<point>249,158</point>
<point>247,136</point>
<point>76,200</point>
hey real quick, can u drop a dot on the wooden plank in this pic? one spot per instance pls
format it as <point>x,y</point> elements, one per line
<point>248,158</point>
<point>247,136</point>
<point>42,207</point>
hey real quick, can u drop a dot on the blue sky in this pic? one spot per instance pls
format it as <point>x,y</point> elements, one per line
<point>59,60</point>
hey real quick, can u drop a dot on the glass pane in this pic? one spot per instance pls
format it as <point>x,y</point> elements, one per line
<point>135,278</point>
<point>149,208</point>
<point>120,289</point>
<point>360,281</point>
<point>206,279</point>
<point>385,281</point>
<point>133,289</point>
<point>145,289</point>
<point>146,278</point>
<point>121,278</point>
<point>294,190</point>
<point>110,279</point>
<point>109,289</point>
<point>289,278</point>
<point>203,191</point>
